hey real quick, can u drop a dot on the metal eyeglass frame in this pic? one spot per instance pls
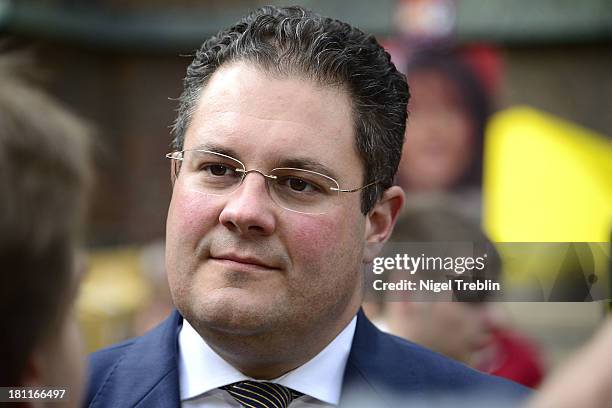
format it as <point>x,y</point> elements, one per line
<point>178,156</point>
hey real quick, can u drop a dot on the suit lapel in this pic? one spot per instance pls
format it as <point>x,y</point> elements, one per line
<point>147,375</point>
<point>367,380</point>
<point>355,385</point>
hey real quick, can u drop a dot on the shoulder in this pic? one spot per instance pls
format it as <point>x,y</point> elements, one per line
<point>136,366</point>
<point>433,368</point>
<point>103,362</point>
<point>401,367</point>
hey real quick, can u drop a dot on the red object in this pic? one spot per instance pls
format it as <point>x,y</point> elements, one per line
<point>515,358</point>
<point>487,61</point>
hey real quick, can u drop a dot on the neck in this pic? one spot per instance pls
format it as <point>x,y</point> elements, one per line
<point>268,355</point>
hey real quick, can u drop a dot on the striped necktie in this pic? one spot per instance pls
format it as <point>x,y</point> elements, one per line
<point>256,394</point>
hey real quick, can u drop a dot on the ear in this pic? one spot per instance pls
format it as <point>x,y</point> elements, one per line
<point>380,221</point>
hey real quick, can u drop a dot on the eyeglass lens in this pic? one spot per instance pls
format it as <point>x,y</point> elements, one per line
<point>293,189</point>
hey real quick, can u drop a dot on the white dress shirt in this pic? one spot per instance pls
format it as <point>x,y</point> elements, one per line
<point>202,372</point>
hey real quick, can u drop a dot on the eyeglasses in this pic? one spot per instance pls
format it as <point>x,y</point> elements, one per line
<point>299,190</point>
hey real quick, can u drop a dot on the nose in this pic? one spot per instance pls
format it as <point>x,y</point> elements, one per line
<point>249,210</point>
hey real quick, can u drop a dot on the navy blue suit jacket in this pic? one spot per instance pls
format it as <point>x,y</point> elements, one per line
<point>382,370</point>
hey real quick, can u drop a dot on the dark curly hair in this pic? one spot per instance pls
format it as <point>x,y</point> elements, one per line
<point>295,41</point>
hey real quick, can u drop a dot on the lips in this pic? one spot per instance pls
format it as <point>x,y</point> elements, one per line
<point>243,260</point>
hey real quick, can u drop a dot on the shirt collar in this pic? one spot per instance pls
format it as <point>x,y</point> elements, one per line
<point>202,370</point>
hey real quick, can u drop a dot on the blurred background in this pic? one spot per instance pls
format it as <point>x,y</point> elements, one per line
<point>511,114</point>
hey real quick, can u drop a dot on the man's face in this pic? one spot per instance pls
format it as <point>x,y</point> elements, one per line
<point>241,264</point>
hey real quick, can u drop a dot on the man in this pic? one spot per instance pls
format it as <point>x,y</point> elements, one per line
<point>44,172</point>
<point>286,144</point>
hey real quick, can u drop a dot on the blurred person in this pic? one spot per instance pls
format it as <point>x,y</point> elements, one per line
<point>456,329</point>
<point>444,140</point>
<point>286,144</point>
<point>585,380</point>
<point>44,175</point>
<point>160,303</point>
<point>472,329</point>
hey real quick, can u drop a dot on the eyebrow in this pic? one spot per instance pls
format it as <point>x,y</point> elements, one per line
<point>308,164</point>
<point>217,148</point>
<point>304,163</point>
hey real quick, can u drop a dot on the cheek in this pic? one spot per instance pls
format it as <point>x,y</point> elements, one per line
<point>309,240</point>
<point>190,214</point>
<point>461,141</point>
<point>447,317</point>
<point>189,217</point>
<point>416,139</point>
<point>461,321</point>
<point>325,243</point>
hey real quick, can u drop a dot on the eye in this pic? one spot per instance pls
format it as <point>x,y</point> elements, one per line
<point>299,185</point>
<point>218,170</point>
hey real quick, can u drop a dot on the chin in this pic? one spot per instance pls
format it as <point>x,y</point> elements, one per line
<point>235,315</point>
